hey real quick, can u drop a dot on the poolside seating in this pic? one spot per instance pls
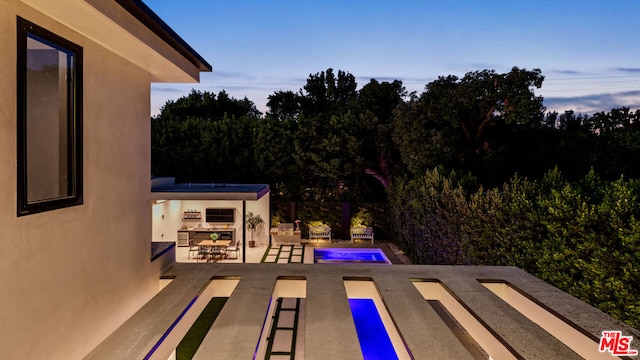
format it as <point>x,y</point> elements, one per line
<point>361,233</point>
<point>320,232</point>
<point>285,234</point>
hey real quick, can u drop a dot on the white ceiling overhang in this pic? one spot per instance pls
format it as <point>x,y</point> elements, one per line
<point>115,28</point>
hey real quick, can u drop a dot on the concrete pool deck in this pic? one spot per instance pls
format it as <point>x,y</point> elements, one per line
<point>329,329</point>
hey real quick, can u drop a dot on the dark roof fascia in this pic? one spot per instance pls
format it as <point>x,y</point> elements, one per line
<point>153,22</point>
<point>264,191</point>
<point>183,191</point>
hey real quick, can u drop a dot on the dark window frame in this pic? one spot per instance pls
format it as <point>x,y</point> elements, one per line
<point>74,170</point>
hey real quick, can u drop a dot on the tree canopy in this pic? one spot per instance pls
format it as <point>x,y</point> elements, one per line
<point>208,105</point>
<point>331,140</point>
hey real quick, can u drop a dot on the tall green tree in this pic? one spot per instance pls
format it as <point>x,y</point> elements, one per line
<point>323,93</point>
<point>463,123</point>
<point>376,105</point>
<point>273,144</point>
<point>284,105</point>
<point>616,137</point>
<point>326,93</point>
<point>327,154</point>
<point>205,104</point>
<point>204,137</point>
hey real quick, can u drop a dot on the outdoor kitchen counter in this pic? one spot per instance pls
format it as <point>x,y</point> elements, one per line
<point>207,229</point>
<point>197,234</point>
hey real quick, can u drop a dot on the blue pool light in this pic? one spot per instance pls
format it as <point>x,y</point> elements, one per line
<point>374,339</point>
<point>345,255</point>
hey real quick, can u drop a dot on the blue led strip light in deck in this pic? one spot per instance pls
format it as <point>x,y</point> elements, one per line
<point>374,339</point>
<point>166,333</point>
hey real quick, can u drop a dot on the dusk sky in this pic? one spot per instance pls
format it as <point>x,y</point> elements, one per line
<point>588,50</point>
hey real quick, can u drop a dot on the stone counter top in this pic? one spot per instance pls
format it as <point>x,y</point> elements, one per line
<point>207,229</point>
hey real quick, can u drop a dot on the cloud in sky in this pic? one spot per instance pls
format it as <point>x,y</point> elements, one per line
<point>628,70</point>
<point>240,85</point>
<point>590,104</point>
<point>163,88</point>
<point>566,72</point>
<point>233,75</point>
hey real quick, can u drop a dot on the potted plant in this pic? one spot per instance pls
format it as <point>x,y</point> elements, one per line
<point>276,220</point>
<point>254,222</point>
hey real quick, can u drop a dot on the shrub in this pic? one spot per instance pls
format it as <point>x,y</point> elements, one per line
<point>582,237</point>
<point>361,218</point>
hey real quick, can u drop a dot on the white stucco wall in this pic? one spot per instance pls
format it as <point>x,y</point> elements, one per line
<point>69,277</point>
<point>261,206</point>
<point>166,218</point>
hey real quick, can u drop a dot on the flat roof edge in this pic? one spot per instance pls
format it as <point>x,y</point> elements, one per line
<point>153,22</point>
<point>164,188</point>
<point>170,195</point>
<point>264,191</point>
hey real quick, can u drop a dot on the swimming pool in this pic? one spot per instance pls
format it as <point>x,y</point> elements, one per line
<point>349,256</point>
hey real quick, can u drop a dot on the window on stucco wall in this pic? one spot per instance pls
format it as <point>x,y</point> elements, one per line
<point>49,93</point>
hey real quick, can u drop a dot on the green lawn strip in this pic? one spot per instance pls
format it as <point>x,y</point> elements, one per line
<point>193,338</point>
<point>264,257</point>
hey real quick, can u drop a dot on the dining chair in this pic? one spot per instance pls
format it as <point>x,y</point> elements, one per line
<point>217,254</point>
<point>234,248</point>
<point>204,253</point>
<point>193,248</point>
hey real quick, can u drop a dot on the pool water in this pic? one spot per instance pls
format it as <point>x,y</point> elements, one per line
<point>374,339</point>
<point>348,256</point>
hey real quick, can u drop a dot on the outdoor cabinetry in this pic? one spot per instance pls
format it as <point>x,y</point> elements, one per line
<point>284,234</point>
<point>183,238</point>
<point>197,235</point>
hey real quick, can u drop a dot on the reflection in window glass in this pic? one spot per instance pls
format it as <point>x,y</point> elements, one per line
<point>49,120</point>
<point>48,87</point>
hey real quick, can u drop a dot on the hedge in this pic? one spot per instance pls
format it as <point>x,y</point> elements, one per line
<point>582,237</point>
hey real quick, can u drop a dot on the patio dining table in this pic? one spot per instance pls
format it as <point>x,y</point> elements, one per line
<point>213,250</point>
